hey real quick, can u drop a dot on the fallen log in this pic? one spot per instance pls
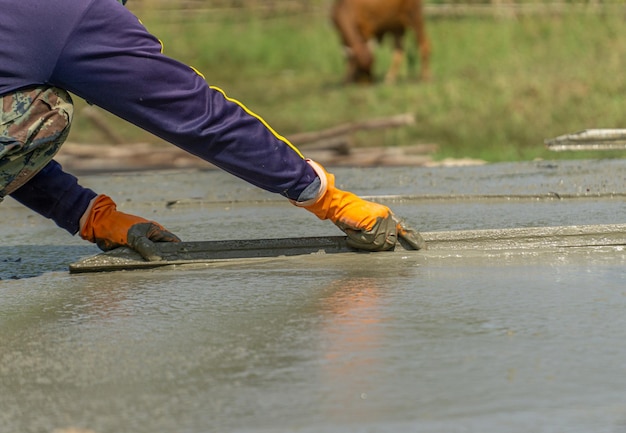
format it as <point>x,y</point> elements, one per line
<point>305,139</point>
<point>331,146</point>
<point>97,120</point>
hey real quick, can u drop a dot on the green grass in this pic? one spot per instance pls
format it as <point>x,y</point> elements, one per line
<point>499,87</point>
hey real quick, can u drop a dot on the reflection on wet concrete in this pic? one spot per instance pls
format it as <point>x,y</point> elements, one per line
<point>474,341</point>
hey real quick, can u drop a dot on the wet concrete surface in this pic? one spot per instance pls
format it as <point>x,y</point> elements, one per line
<point>435,341</point>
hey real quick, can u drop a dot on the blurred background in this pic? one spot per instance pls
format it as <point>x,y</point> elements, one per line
<point>505,75</point>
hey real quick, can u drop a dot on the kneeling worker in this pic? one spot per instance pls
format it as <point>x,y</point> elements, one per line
<point>99,51</point>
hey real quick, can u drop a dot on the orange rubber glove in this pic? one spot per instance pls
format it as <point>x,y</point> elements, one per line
<point>369,226</point>
<point>109,229</point>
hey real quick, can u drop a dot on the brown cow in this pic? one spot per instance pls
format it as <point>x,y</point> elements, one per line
<point>360,21</point>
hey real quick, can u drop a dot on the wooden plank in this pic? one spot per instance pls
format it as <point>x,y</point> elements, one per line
<point>589,139</point>
<point>532,238</point>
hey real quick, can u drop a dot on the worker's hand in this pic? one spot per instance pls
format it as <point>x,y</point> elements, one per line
<point>369,226</point>
<point>109,229</point>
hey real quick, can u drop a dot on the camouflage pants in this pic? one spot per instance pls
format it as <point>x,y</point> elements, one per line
<point>34,123</point>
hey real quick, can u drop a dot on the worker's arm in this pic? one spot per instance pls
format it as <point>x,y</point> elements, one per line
<point>109,228</point>
<point>57,195</point>
<point>369,226</point>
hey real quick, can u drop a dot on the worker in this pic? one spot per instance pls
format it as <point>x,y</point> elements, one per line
<point>99,51</point>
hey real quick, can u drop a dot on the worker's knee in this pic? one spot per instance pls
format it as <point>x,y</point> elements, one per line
<point>34,123</point>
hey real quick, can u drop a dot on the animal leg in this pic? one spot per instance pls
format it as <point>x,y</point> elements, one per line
<point>396,60</point>
<point>351,65</point>
<point>423,42</point>
<point>359,58</point>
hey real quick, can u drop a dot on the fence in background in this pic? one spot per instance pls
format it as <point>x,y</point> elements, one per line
<point>506,8</point>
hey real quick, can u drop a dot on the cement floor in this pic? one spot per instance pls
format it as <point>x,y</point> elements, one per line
<point>466,341</point>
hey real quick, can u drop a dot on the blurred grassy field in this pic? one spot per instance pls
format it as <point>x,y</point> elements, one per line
<point>500,86</point>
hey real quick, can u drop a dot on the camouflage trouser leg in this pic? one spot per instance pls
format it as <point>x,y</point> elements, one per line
<point>34,123</point>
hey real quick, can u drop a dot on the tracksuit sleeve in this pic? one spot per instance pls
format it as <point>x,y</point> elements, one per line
<point>56,195</point>
<point>104,55</point>
<point>112,61</point>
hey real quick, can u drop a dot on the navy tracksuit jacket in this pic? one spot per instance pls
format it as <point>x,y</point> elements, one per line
<point>99,51</point>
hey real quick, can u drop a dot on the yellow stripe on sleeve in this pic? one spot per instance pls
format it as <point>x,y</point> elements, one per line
<point>251,113</point>
<point>280,137</point>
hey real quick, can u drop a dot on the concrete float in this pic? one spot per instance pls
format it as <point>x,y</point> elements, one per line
<point>197,252</point>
